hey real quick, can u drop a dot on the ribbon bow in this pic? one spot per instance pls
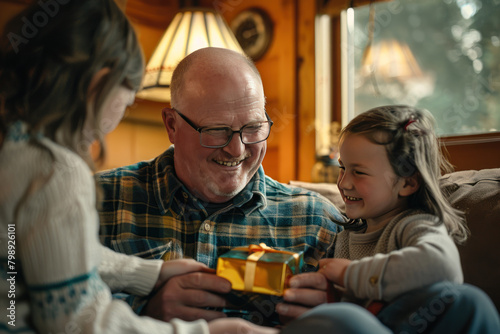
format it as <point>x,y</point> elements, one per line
<point>257,251</point>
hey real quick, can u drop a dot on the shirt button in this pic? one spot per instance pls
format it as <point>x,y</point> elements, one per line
<point>206,226</point>
<point>373,280</point>
<point>185,195</point>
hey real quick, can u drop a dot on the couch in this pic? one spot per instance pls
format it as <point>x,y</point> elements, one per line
<point>477,193</point>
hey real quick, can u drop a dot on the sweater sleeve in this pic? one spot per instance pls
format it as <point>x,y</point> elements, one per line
<point>128,273</point>
<point>57,240</point>
<point>425,254</point>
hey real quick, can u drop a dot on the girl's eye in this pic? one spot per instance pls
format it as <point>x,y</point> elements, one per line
<point>342,167</point>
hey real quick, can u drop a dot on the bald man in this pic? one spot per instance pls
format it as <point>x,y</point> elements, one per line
<point>208,193</point>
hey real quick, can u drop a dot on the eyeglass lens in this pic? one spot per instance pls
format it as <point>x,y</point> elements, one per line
<point>221,136</point>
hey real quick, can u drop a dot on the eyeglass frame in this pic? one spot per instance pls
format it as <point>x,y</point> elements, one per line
<point>199,129</point>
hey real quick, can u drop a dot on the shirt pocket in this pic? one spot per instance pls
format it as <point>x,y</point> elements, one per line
<point>144,248</point>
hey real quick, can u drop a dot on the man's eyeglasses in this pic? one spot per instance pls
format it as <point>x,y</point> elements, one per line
<point>220,136</point>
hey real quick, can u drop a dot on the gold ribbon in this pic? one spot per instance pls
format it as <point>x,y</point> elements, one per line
<point>257,252</point>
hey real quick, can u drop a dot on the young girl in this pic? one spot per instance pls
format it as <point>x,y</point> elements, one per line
<point>68,70</point>
<point>396,257</point>
<point>402,229</point>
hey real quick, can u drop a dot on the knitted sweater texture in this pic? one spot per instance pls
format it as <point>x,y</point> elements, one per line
<point>49,249</point>
<point>410,252</point>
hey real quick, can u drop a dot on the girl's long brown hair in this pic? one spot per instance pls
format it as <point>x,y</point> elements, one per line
<point>408,135</point>
<point>45,74</point>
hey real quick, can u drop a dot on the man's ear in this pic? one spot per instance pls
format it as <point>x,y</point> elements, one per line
<point>167,114</point>
<point>411,185</point>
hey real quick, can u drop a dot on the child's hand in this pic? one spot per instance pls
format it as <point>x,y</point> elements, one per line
<point>179,267</point>
<point>334,269</point>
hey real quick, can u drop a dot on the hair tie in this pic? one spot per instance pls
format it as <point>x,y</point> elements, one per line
<point>409,122</point>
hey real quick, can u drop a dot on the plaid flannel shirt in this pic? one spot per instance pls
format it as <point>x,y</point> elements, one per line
<point>148,212</point>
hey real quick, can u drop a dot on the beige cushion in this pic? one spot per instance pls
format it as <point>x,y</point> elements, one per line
<point>477,193</point>
<point>329,190</point>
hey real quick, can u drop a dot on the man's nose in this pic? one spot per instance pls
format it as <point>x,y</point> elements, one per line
<point>235,146</point>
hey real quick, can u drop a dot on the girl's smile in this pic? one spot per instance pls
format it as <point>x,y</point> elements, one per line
<point>367,182</point>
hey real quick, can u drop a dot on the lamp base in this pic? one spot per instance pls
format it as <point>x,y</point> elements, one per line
<point>325,170</point>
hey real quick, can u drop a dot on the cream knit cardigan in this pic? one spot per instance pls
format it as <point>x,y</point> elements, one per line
<point>62,274</point>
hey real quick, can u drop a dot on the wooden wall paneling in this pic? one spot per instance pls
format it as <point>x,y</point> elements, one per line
<point>119,147</point>
<point>279,73</point>
<point>306,138</point>
<point>150,141</point>
<point>283,55</point>
<point>134,141</point>
<point>145,111</point>
<point>141,135</point>
<point>9,9</point>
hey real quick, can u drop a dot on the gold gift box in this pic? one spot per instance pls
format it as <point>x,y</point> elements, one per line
<point>259,268</point>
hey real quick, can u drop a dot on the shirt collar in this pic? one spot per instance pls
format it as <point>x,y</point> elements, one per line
<point>167,186</point>
<point>254,194</point>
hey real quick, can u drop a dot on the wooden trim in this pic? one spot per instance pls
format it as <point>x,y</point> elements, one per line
<point>473,151</point>
<point>472,139</point>
<point>305,101</point>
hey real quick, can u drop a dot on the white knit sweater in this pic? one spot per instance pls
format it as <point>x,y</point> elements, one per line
<point>55,275</point>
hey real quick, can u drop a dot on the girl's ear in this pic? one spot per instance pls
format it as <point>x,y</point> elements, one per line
<point>169,121</point>
<point>410,185</point>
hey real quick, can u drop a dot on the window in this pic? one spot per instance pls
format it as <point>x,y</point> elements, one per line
<point>442,55</point>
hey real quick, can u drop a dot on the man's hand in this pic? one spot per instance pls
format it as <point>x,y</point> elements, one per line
<point>306,291</point>
<point>185,296</point>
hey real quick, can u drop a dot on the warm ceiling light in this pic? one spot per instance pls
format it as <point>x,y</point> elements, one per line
<point>190,30</point>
